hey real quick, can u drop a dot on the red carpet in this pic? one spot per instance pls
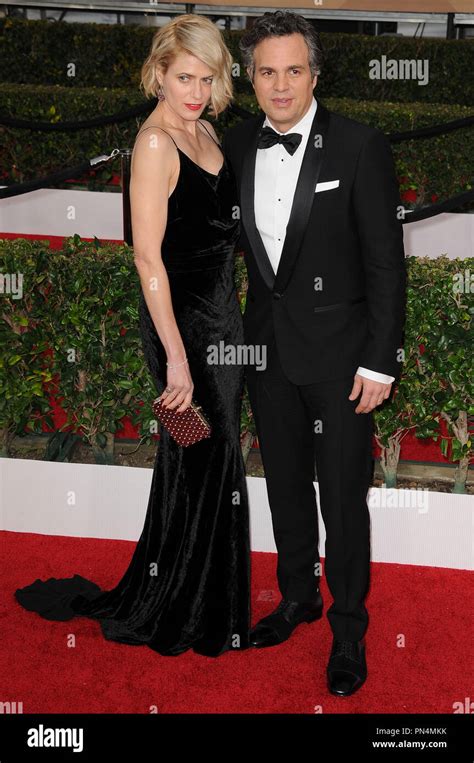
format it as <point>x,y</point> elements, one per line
<point>430,608</point>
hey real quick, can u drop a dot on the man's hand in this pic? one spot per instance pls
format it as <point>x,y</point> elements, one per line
<point>373,393</point>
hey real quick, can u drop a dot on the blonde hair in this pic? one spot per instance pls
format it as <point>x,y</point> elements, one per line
<point>197,35</point>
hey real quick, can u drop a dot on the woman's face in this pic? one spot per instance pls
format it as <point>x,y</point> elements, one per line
<point>187,86</point>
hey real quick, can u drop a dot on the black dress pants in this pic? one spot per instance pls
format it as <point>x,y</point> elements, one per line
<point>298,425</point>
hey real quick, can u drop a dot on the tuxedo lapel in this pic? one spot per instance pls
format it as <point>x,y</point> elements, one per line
<point>247,193</point>
<point>304,197</point>
<point>303,200</point>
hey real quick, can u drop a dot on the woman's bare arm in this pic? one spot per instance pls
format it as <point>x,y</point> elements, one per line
<point>154,170</point>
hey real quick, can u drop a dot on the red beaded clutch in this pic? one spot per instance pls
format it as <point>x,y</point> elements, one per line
<point>186,427</point>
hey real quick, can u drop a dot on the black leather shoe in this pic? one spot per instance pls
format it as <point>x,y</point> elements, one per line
<point>347,668</point>
<point>280,624</point>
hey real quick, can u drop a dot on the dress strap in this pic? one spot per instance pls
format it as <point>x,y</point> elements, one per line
<point>160,128</point>
<point>211,136</point>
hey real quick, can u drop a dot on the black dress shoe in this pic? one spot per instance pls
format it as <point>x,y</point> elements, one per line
<point>280,624</point>
<point>347,668</point>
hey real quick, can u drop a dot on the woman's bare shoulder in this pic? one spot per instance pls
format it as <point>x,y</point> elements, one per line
<point>151,141</point>
<point>152,130</point>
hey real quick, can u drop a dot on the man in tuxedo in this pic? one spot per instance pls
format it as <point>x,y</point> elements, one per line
<point>324,251</point>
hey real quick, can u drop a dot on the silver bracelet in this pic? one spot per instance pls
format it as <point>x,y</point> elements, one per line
<point>177,364</point>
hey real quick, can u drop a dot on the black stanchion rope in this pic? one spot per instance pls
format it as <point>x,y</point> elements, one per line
<point>394,137</point>
<point>448,205</point>
<point>84,124</point>
<point>144,108</point>
<point>56,177</point>
<point>73,172</point>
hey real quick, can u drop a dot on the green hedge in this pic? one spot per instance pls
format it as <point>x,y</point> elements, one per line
<point>27,154</point>
<point>81,302</point>
<point>72,330</point>
<point>440,166</point>
<point>38,52</point>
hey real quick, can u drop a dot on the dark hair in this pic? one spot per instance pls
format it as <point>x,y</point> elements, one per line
<point>278,24</point>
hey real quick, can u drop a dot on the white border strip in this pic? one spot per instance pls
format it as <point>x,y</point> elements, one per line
<point>50,212</point>
<point>83,500</point>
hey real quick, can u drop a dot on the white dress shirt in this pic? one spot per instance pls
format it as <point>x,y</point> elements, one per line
<point>276,174</point>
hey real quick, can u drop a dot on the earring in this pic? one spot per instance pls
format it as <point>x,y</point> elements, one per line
<point>161,95</point>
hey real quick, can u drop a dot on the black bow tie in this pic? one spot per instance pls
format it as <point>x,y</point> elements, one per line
<point>269,137</point>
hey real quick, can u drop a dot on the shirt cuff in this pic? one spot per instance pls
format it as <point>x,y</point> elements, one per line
<point>375,375</point>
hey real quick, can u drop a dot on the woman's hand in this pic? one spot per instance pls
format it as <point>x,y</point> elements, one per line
<point>181,386</point>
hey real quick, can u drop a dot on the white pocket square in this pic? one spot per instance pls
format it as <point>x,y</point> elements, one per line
<point>326,186</point>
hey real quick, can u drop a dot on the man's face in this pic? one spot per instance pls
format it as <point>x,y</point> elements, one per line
<point>282,80</point>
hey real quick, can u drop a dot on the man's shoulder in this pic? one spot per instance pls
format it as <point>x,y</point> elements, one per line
<point>353,131</point>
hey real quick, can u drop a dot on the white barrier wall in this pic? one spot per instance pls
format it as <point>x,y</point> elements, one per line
<point>407,526</point>
<point>93,213</point>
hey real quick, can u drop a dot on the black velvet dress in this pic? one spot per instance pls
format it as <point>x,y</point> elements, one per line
<point>188,582</point>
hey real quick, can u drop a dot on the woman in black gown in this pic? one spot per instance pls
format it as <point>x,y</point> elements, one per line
<point>187,585</point>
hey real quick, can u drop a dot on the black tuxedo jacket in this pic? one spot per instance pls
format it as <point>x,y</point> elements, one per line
<point>349,236</point>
